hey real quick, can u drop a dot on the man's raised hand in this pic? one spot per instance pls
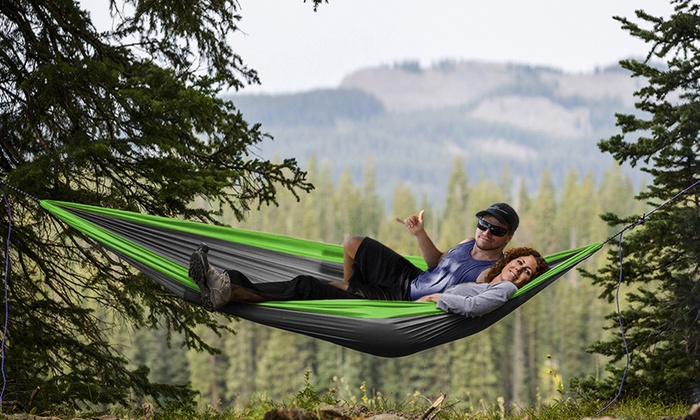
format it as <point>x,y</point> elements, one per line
<point>414,223</point>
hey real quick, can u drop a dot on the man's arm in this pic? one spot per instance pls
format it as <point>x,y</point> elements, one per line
<point>430,253</point>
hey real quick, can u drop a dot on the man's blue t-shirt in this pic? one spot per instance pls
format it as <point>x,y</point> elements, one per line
<point>456,267</point>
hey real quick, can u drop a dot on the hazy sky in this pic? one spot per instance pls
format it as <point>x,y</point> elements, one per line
<point>294,48</point>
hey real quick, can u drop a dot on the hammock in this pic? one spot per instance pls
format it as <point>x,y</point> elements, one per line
<point>160,248</point>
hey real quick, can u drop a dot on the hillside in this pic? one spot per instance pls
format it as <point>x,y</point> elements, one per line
<point>406,87</point>
<point>412,123</point>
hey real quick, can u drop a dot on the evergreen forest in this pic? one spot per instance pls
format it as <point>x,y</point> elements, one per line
<point>149,116</point>
<point>526,358</point>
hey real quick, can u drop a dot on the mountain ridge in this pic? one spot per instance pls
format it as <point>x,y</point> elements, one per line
<point>413,123</point>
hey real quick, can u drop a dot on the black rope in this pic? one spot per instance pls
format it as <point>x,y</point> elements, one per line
<point>17,190</point>
<point>644,217</point>
<point>622,331</point>
<point>6,296</point>
<point>638,222</point>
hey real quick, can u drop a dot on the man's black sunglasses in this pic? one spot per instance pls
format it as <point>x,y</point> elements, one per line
<point>495,230</point>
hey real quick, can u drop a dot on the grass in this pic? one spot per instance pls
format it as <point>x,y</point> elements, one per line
<point>569,410</point>
<point>416,407</point>
<point>412,407</point>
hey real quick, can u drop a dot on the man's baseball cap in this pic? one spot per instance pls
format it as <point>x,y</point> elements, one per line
<point>504,213</point>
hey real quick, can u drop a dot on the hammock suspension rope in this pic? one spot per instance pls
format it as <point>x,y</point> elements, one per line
<point>6,294</point>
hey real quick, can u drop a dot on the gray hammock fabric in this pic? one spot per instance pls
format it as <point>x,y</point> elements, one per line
<point>160,248</point>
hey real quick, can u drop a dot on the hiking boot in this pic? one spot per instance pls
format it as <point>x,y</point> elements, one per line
<point>214,286</point>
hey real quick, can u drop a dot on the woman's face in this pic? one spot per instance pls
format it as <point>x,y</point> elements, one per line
<point>519,271</point>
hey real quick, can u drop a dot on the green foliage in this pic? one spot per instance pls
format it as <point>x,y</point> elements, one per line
<point>277,368</point>
<point>308,399</point>
<point>393,234</point>
<point>455,221</point>
<point>661,266</point>
<point>127,118</point>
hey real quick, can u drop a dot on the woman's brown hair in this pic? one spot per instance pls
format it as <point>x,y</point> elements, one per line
<point>514,253</point>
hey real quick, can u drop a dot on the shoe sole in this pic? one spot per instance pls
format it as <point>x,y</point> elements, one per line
<point>198,273</point>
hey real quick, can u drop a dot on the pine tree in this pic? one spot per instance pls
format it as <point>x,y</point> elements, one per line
<point>661,258</point>
<point>371,211</point>
<point>129,118</point>
<point>392,373</point>
<point>281,364</point>
<point>579,311</point>
<point>588,224</point>
<point>313,205</point>
<point>205,371</point>
<point>568,213</point>
<point>242,350</point>
<point>317,211</point>
<point>455,224</point>
<point>616,194</point>
<point>163,355</point>
<point>329,362</point>
<point>471,368</point>
<point>536,332</point>
<point>523,204</point>
<point>394,234</point>
<point>348,205</point>
<point>483,194</point>
<point>544,211</point>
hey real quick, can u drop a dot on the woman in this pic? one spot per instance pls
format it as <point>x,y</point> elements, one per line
<point>513,271</point>
<point>517,267</point>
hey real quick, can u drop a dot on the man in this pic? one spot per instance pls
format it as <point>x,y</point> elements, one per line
<point>372,270</point>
